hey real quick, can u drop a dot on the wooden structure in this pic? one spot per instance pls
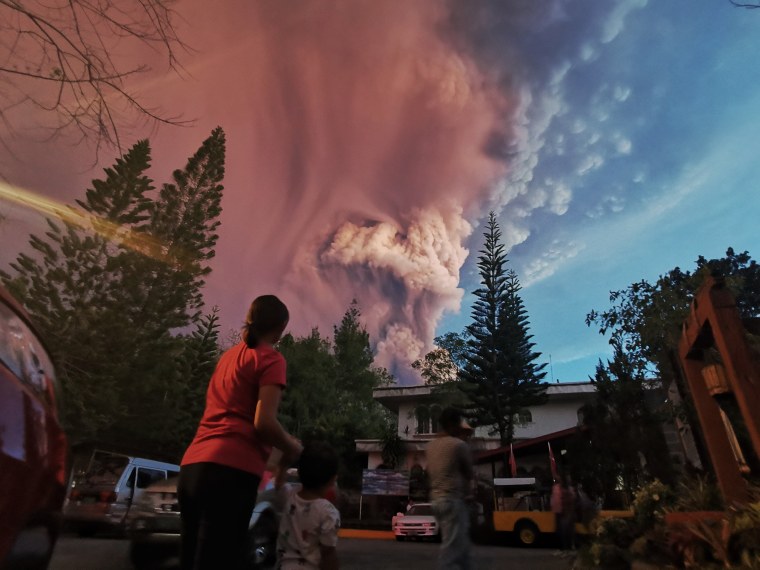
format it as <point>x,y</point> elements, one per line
<point>714,325</point>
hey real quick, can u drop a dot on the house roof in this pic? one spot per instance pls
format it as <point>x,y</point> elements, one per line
<point>392,396</point>
<point>526,444</point>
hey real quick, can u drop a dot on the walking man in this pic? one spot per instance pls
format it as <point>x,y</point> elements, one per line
<point>451,475</point>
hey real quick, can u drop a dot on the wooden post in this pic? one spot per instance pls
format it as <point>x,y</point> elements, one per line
<point>731,483</point>
<point>728,332</point>
<point>714,322</point>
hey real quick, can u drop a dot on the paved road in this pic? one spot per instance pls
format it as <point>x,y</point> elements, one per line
<point>109,554</point>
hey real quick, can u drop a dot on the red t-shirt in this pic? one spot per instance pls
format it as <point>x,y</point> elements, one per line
<point>226,434</point>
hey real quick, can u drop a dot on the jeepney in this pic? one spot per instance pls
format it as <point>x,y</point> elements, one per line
<point>521,508</point>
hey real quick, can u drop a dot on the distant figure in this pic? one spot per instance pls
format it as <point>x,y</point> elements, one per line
<point>309,526</point>
<point>585,507</point>
<point>564,505</point>
<point>409,505</point>
<point>222,468</point>
<point>451,476</point>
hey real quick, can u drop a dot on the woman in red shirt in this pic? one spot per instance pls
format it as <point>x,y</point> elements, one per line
<point>222,468</point>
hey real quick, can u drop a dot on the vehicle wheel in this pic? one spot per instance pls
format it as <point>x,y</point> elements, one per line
<point>262,543</point>
<point>527,533</point>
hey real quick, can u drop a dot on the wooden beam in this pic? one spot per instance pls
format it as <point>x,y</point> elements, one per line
<point>731,341</point>
<point>731,483</point>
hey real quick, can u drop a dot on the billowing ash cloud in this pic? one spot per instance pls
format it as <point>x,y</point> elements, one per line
<point>383,130</point>
<point>375,137</point>
<point>367,138</point>
<point>423,261</point>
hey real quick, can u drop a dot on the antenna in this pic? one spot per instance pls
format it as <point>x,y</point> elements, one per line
<point>551,367</point>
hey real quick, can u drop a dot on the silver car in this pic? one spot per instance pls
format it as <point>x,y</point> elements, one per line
<point>154,528</point>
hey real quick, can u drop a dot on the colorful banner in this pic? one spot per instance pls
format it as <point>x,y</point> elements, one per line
<point>385,482</point>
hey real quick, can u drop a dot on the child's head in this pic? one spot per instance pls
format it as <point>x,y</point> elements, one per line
<point>318,466</point>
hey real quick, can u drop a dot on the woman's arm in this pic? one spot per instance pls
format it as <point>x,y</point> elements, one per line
<point>268,426</point>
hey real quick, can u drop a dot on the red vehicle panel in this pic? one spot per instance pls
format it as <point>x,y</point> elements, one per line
<point>32,442</point>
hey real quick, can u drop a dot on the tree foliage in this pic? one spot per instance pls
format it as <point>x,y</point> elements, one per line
<point>329,393</point>
<point>195,364</point>
<point>437,367</point>
<point>645,319</point>
<point>72,60</point>
<point>110,291</point>
<point>621,443</point>
<point>500,376</point>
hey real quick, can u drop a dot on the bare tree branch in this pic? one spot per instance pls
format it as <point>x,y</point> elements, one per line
<point>749,6</point>
<point>73,60</point>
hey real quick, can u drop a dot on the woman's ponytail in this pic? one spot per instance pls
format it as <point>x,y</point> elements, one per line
<point>250,337</point>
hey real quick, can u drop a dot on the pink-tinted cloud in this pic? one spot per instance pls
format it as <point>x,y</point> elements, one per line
<point>365,137</point>
<point>360,143</point>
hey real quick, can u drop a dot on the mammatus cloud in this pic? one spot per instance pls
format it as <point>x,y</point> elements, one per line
<point>549,135</point>
<point>548,262</point>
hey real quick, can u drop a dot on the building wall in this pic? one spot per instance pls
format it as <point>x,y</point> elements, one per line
<point>558,413</point>
<point>555,415</point>
<point>550,417</point>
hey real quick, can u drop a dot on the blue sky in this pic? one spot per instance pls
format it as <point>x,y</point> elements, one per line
<point>648,158</point>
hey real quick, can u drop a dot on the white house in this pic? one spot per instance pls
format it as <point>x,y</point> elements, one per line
<point>417,410</point>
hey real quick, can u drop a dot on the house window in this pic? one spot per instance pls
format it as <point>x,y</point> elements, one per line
<point>524,417</point>
<point>423,420</point>
<point>435,415</point>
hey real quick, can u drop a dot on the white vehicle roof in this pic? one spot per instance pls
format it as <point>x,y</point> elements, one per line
<point>514,481</point>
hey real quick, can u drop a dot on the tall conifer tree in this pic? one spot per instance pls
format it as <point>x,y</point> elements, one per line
<point>500,376</point>
<point>109,294</point>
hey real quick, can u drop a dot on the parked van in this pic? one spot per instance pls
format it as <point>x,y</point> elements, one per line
<point>103,492</point>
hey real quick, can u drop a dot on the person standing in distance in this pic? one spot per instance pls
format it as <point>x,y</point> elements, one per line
<point>221,469</point>
<point>450,468</point>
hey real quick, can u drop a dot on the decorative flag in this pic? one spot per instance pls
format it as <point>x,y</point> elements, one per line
<point>553,463</point>
<point>512,462</point>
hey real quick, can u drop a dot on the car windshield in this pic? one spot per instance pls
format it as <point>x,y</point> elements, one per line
<point>104,469</point>
<point>420,511</point>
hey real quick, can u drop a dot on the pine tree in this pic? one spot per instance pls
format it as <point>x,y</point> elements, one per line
<point>109,294</point>
<point>71,289</point>
<point>196,364</point>
<point>520,359</point>
<point>499,376</point>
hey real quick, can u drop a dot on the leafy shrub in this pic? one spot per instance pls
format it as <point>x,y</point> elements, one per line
<point>650,504</point>
<point>614,531</point>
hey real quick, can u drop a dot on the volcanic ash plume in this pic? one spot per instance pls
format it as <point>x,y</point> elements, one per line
<point>373,137</point>
<point>421,262</point>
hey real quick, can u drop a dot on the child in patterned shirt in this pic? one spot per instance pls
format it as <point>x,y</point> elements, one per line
<point>309,526</point>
